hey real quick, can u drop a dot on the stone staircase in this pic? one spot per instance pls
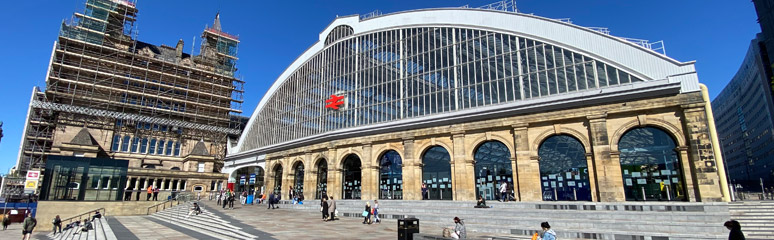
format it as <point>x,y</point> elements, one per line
<point>205,223</point>
<point>571,220</point>
<point>756,217</point>
<point>101,231</point>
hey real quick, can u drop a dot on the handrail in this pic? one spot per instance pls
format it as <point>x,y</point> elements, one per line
<point>79,216</point>
<point>163,205</point>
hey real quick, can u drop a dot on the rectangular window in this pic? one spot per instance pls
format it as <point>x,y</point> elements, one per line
<point>201,167</point>
<point>144,145</point>
<point>152,147</point>
<point>177,149</point>
<point>169,148</point>
<point>125,144</point>
<point>160,148</point>
<point>135,142</point>
<point>116,143</point>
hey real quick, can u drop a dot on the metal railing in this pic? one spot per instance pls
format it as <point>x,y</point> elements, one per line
<point>88,215</point>
<point>163,205</point>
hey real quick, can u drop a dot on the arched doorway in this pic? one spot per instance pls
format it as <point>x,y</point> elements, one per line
<point>390,176</point>
<point>322,179</point>
<point>564,172</point>
<point>278,179</point>
<point>298,178</point>
<point>352,175</point>
<point>436,173</point>
<point>650,167</point>
<point>493,167</point>
<point>249,179</point>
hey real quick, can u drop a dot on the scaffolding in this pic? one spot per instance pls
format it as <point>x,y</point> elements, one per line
<point>37,136</point>
<point>101,76</point>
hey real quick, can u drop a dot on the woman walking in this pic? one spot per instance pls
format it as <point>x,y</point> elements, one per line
<point>736,230</point>
<point>332,209</point>
<point>376,212</point>
<point>367,213</point>
<point>548,233</point>
<point>57,224</point>
<point>324,208</point>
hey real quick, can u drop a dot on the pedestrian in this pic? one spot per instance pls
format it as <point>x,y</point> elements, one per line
<point>291,195</point>
<point>324,208</point>
<point>219,196</point>
<point>547,233</point>
<point>57,222</point>
<point>127,194</point>
<point>459,229</point>
<point>244,197</point>
<point>424,192</point>
<point>503,191</point>
<point>736,230</point>
<point>150,193</point>
<point>332,208</point>
<point>231,200</point>
<point>225,198</point>
<point>367,213</point>
<point>271,201</point>
<point>375,211</point>
<point>155,194</point>
<point>28,226</point>
<point>96,215</point>
<point>6,221</point>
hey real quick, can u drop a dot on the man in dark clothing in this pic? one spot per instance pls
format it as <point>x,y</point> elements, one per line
<point>96,215</point>
<point>736,230</point>
<point>28,226</point>
<point>155,194</point>
<point>271,201</point>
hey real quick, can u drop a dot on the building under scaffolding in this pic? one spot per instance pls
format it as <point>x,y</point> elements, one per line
<point>108,95</point>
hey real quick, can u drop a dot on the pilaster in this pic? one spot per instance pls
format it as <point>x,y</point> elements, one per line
<point>465,190</point>
<point>412,172</point>
<point>701,154</point>
<point>526,170</point>
<point>609,186</point>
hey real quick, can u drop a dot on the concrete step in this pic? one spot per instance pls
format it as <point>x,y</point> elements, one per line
<point>205,223</point>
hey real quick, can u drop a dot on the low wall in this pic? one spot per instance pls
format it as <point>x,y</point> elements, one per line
<point>47,210</point>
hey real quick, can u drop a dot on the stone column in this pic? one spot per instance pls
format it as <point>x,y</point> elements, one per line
<point>137,183</point>
<point>464,170</point>
<point>334,174</point>
<point>527,170</point>
<point>608,170</point>
<point>412,172</point>
<point>690,190</point>
<point>310,177</point>
<point>369,183</point>
<point>592,177</point>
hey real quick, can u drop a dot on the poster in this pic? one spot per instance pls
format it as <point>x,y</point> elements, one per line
<point>571,184</point>
<point>626,171</point>
<point>629,182</point>
<point>552,176</point>
<point>553,184</point>
<point>561,178</point>
<point>635,174</point>
<point>577,177</point>
<point>561,185</point>
<point>545,184</point>
<point>666,182</point>
<point>569,175</point>
<point>544,178</point>
<point>665,172</point>
<point>656,174</point>
<point>674,180</point>
<point>252,178</point>
<point>641,181</point>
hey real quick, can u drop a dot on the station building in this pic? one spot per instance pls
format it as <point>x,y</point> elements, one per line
<point>464,100</point>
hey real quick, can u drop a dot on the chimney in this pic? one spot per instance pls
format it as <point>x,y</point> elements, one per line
<point>179,49</point>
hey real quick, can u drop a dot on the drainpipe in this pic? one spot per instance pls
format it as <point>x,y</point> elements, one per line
<point>715,144</point>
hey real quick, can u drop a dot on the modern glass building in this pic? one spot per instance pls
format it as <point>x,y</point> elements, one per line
<point>84,179</point>
<point>451,104</point>
<point>743,112</point>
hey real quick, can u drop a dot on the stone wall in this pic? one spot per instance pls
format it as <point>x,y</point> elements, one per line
<point>47,210</point>
<point>599,128</point>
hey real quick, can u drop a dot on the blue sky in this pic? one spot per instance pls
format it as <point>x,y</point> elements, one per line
<point>714,33</point>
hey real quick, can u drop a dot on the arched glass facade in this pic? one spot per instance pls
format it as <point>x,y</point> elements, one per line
<point>278,179</point>
<point>352,177</point>
<point>390,176</point>
<point>412,72</point>
<point>493,167</point>
<point>436,173</point>
<point>298,178</point>
<point>322,179</point>
<point>564,172</point>
<point>249,179</point>
<point>650,167</point>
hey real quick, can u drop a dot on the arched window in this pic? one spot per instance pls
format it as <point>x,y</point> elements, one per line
<point>144,145</point>
<point>160,148</point>
<point>436,174</point>
<point>322,179</point>
<point>125,144</point>
<point>259,175</point>
<point>352,176</point>
<point>493,168</point>
<point>390,176</point>
<point>278,179</point>
<point>135,143</point>
<point>564,172</point>
<point>337,33</point>
<point>116,143</point>
<point>298,178</point>
<point>152,146</point>
<point>650,167</point>
<point>175,168</point>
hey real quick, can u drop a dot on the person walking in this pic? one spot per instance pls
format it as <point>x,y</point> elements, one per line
<point>150,193</point>
<point>291,194</point>
<point>155,194</point>
<point>324,208</point>
<point>57,222</point>
<point>220,197</point>
<point>459,229</point>
<point>547,233</point>
<point>28,226</point>
<point>375,211</point>
<point>244,198</point>
<point>503,191</point>
<point>424,192</point>
<point>736,230</point>
<point>332,208</point>
<point>367,213</point>
<point>271,201</point>
<point>6,221</point>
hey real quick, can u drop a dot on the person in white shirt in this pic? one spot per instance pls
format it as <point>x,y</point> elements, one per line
<point>504,191</point>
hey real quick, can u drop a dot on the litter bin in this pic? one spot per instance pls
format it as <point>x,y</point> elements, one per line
<point>407,227</point>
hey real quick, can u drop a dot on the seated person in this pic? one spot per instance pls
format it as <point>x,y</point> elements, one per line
<point>96,215</point>
<point>481,203</point>
<point>72,225</point>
